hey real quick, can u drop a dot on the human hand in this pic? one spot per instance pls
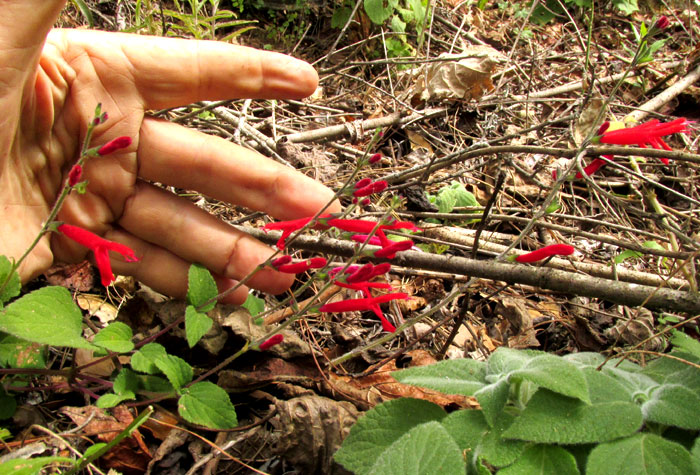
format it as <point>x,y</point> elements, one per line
<point>49,91</point>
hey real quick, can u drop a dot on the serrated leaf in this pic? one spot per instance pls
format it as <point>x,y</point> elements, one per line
<point>377,12</point>
<point>207,404</point>
<point>177,370</point>
<point>425,449</point>
<point>555,374</point>
<point>551,418</point>
<point>110,399</point>
<point>154,384</point>
<point>196,325</point>
<point>673,405</point>
<point>31,466</point>
<point>544,460</point>
<point>380,427</point>
<point>18,353</point>
<point>115,337</point>
<point>683,342</point>
<point>459,376</point>
<point>201,287</point>
<point>125,381</point>
<point>144,360</point>
<point>13,285</point>
<point>48,316</point>
<point>476,438</point>
<point>640,454</point>
<point>254,304</point>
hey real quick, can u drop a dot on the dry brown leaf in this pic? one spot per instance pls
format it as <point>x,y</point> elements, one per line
<point>79,277</point>
<point>309,429</point>
<point>458,79</point>
<point>380,386</point>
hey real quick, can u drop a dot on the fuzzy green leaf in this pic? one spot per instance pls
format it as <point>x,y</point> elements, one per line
<point>425,449</point>
<point>543,459</point>
<point>48,316</point>
<point>555,374</point>
<point>201,287</point>
<point>115,337</point>
<point>455,195</point>
<point>673,405</point>
<point>641,454</point>
<point>695,454</point>
<point>477,439</point>
<point>144,360</point>
<point>18,353</point>
<point>197,324</point>
<point>683,342</point>
<point>13,285</point>
<point>207,404</point>
<point>493,399</point>
<point>551,418</point>
<point>380,427</point>
<point>177,370</point>
<point>459,376</point>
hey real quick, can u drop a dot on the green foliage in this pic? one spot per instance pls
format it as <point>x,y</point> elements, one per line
<point>115,337</point>
<point>31,466</point>
<point>201,296</point>
<point>197,21</point>
<point>452,196</point>
<point>207,404</point>
<point>254,304</point>
<point>548,10</point>
<point>47,316</point>
<point>536,409</point>
<point>10,283</point>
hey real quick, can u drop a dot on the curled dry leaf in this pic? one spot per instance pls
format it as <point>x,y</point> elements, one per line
<point>380,386</point>
<point>464,79</point>
<point>309,429</point>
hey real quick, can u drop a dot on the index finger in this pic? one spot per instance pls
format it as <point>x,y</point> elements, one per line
<point>171,72</point>
<point>175,155</point>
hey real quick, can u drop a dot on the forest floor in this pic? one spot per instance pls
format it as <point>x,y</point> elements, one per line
<point>479,112</point>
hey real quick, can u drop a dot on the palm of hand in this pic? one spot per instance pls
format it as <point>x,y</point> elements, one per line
<point>130,75</point>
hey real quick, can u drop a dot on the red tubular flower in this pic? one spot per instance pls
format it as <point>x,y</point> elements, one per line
<point>390,251</point>
<point>594,166</point>
<point>374,240</point>
<point>100,247</point>
<point>386,324</point>
<point>272,341</point>
<point>362,274</point>
<point>370,189</point>
<point>287,228</point>
<point>375,158</point>
<point>114,145</point>
<point>362,183</point>
<point>280,261</point>
<point>547,251</point>
<point>647,133</point>
<point>317,262</point>
<point>74,175</point>
<point>361,304</point>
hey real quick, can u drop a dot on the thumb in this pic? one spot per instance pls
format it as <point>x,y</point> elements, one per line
<point>24,25</point>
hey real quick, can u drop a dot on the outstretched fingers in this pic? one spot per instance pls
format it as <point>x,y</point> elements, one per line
<point>174,155</point>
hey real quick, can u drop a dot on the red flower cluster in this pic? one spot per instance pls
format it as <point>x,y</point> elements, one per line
<point>366,187</point>
<point>354,277</point>
<point>646,133</point>
<point>100,247</point>
<point>357,278</point>
<point>285,264</point>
